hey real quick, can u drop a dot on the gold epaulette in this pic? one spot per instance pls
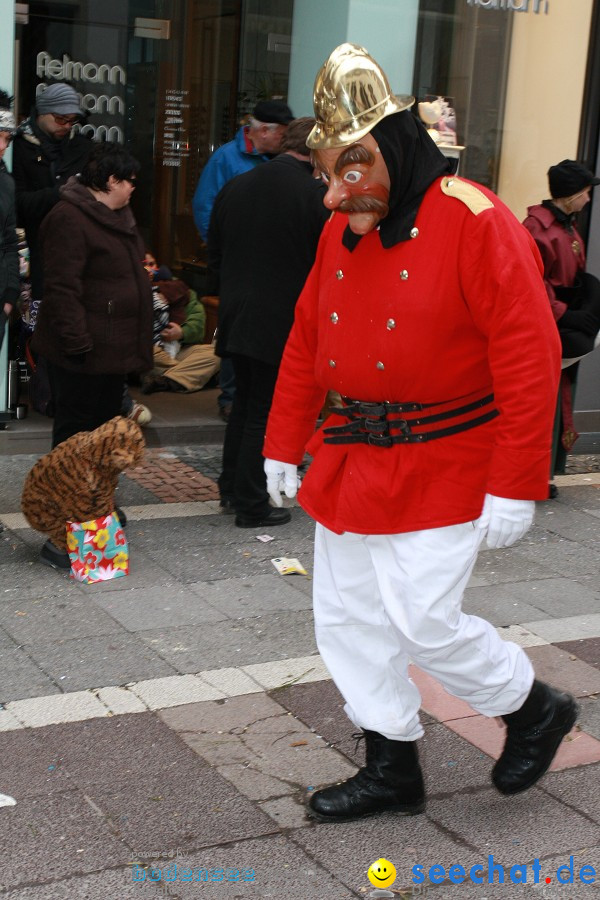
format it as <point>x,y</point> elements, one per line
<point>466,193</point>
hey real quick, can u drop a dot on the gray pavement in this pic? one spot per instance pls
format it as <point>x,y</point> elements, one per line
<point>159,732</point>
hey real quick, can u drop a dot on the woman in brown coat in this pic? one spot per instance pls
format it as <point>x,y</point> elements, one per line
<point>95,323</point>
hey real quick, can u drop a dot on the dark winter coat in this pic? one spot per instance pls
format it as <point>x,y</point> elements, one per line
<point>38,179</point>
<point>262,240</point>
<point>96,316</point>
<point>9,258</point>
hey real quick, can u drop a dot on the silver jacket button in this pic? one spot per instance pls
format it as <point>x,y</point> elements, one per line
<point>404,274</point>
<point>334,318</point>
<point>380,365</point>
<point>414,232</point>
<point>332,364</point>
<point>339,274</point>
<point>391,323</point>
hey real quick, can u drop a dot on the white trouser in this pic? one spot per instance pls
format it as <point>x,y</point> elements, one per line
<point>383,600</point>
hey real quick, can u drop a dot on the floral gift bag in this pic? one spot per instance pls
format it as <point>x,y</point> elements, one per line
<point>97,549</point>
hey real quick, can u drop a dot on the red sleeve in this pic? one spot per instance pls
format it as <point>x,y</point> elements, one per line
<point>547,255</point>
<point>503,286</point>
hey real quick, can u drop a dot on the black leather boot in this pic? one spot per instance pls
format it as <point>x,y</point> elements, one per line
<point>533,735</point>
<point>391,781</point>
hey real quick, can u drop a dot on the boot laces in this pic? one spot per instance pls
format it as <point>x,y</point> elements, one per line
<point>357,737</point>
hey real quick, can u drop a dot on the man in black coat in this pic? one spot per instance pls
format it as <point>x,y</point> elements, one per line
<point>262,241</point>
<point>46,152</point>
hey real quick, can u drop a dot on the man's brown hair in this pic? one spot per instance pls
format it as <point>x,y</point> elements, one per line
<point>296,134</point>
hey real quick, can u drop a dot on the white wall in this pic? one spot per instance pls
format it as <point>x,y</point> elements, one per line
<point>387,28</point>
<point>543,106</point>
<point>7,53</point>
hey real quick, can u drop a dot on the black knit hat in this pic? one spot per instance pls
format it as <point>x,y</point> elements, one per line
<point>568,178</point>
<point>275,111</point>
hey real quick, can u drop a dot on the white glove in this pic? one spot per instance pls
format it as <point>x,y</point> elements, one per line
<point>281,477</point>
<point>507,520</point>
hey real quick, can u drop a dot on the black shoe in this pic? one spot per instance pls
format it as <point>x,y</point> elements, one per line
<point>533,735</point>
<point>391,781</point>
<point>154,385</point>
<point>275,516</point>
<point>121,516</point>
<point>227,506</point>
<point>52,556</point>
<point>552,492</point>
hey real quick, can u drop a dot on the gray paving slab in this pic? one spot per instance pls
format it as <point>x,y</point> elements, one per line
<point>348,852</point>
<point>31,767</point>
<point>144,570</point>
<point>45,838</point>
<point>521,827</point>
<point>578,789</point>
<point>226,559</point>
<point>153,789</point>
<point>279,868</point>
<point>21,676</point>
<point>12,550</point>
<point>159,606</point>
<point>564,557</point>
<point>561,668</point>
<point>108,885</point>
<point>283,635</point>
<point>29,579</point>
<point>497,566</point>
<point>231,643</point>
<point>131,493</point>
<point>499,604</point>
<point>573,524</point>
<point>321,706</point>
<point>54,619</point>
<point>92,662</point>
<point>553,597</point>
<point>14,471</point>
<point>256,744</point>
<point>112,751</point>
<point>450,764</point>
<point>589,716</point>
<point>587,649</point>
<point>240,598</point>
<point>194,648</point>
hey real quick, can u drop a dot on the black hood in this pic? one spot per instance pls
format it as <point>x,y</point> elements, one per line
<point>413,162</point>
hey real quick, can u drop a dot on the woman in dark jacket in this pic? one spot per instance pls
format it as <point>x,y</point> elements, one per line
<point>95,324</point>
<point>9,258</point>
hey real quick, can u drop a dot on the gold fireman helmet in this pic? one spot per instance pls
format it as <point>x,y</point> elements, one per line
<point>352,94</point>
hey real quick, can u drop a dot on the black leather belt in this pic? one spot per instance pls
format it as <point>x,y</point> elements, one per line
<point>370,423</point>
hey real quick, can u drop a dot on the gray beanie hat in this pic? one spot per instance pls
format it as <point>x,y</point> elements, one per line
<point>7,121</point>
<point>61,99</point>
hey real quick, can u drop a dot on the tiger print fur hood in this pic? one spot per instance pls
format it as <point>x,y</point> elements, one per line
<point>96,315</point>
<point>77,480</point>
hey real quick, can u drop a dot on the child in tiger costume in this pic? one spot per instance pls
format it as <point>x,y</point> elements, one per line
<point>77,481</point>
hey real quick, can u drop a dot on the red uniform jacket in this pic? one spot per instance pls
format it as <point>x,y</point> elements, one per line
<point>455,312</point>
<point>563,254</point>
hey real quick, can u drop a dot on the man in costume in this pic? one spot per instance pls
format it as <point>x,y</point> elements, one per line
<point>427,312</point>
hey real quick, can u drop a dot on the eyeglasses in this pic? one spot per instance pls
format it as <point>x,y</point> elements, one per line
<point>65,120</point>
<point>131,180</point>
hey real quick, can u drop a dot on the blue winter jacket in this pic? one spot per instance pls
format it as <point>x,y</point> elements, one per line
<point>228,161</point>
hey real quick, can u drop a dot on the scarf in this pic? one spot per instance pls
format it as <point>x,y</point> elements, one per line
<point>413,162</point>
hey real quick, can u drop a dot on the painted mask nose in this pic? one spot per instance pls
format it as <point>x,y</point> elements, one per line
<point>336,193</point>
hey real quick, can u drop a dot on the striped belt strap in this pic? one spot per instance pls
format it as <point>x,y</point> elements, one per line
<point>375,423</point>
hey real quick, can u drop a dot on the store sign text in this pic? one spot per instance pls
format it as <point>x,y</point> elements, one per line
<point>536,6</point>
<point>66,69</point>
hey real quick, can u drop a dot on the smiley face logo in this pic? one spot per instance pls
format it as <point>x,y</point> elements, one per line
<point>381,873</point>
